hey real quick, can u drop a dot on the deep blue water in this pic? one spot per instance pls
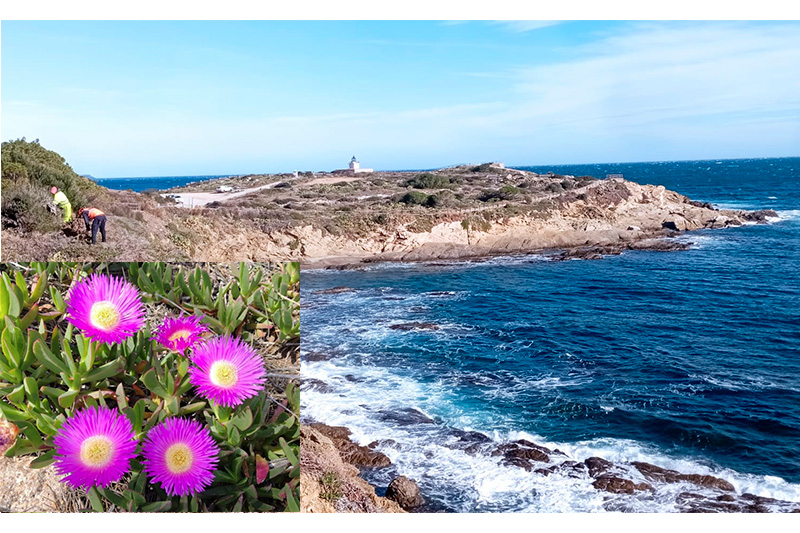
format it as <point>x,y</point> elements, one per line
<point>160,183</point>
<point>688,360</point>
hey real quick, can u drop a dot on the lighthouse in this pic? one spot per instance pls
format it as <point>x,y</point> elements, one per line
<point>355,167</point>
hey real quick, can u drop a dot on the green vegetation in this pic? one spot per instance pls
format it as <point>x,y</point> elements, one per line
<point>29,170</point>
<point>507,192</point>
<point>331,487</point>
<point>49,370</point>
<point>428,180</point>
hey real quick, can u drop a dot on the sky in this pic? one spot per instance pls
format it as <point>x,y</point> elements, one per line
<point>136,98</point>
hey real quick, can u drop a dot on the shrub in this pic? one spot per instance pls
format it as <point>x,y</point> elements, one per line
<point>45,168</point>
<point>28,207</point>
<point>485,167</point>
<point>428,180</point>
<point>507,192</point>
<point>50,370</point>
<point>414,198</point>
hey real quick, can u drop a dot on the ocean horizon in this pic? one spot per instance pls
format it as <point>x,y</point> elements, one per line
<point>599,170</point>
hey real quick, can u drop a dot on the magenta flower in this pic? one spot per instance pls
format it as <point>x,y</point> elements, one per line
<point>181,455</point>
<point>177,334</point>
<point>227,371</point>
<point>105,309</point>
<point>94,447</point>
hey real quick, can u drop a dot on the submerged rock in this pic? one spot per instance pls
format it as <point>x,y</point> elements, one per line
<point>411,326</point>
<point>335,290</point>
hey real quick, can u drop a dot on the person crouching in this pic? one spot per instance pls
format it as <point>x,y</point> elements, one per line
<point>98,219</point>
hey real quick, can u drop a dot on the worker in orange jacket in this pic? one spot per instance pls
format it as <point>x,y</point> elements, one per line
<point>98,219</point>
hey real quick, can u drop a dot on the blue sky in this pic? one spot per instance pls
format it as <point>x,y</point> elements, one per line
<point>194,98</point>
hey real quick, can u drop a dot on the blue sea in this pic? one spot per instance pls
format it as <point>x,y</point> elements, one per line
<point>687,360</point>
<point>156,182</point>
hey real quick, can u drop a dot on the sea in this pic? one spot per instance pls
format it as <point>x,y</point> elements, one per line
<point>152,183</point>
<point>687,360</point>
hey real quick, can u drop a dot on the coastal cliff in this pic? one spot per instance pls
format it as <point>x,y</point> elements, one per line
<point>329,478</point>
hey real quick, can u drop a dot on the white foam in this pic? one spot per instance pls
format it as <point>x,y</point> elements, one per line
<point>479,482</point>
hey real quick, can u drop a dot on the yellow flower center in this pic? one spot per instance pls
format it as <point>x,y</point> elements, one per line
<point>224,374</point>
<point>180,335</point>
<point>104,315</point>
<point>96,451</point>
<point>179,458</point>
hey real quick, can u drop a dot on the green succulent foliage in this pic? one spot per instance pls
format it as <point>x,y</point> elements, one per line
<point>48,370</point>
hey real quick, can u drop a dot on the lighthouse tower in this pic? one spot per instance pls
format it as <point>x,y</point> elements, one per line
<point>354,164</point>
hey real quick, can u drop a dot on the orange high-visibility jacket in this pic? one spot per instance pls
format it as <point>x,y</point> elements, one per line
<point>94,212</point>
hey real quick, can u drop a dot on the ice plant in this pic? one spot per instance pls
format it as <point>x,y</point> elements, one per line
<point>177,334</point>
<point>227,370</point>
<point>181,455</point>
<point>94,447</point>
<point>105,308</point>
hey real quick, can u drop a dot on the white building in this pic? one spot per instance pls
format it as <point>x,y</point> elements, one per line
<point>355,166</point>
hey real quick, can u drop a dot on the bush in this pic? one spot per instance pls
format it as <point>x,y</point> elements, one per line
<point>45,168</point>
<point>50,370</point>
<point>507,192</point>
<point>28,207</point>
<point>486,167</point>
<point>414,198</point>
<point>429,181</point>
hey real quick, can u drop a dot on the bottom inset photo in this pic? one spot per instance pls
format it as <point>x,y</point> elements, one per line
<point>149,387</point>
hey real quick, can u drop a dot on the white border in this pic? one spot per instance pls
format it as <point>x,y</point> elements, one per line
<point>405,10</point>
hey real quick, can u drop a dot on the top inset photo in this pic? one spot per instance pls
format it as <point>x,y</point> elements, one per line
<point>341,143</point>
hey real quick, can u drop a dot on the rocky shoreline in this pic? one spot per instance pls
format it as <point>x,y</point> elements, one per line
<point>603,218</point>
<point>326,449</point>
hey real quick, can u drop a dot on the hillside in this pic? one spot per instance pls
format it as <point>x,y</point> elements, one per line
<point>339,218</point>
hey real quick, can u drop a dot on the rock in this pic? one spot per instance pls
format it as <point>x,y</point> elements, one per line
<point>321,465</point>
<point>406,417</point>
<point>520,454</point>
<point>660,245</point>
<point>597,465</point>
<point>656,473</point>
<point>315,356</point>
<point>405,492</point>
<point>704,205</point>
<point>617,485</point>
<point>335,290</point>
<point>758,216</point>
<point>356,455</point>
<point>411,326</point>
<point>317,385</point>
<point>670,225</point>
<point>634,228</point>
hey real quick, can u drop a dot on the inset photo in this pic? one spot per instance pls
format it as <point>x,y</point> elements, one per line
<point>149,387</point>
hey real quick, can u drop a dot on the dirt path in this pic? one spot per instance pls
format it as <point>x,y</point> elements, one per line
<point>199,199</point>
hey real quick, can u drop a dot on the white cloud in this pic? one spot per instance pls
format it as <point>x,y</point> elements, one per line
<point>522,26</point>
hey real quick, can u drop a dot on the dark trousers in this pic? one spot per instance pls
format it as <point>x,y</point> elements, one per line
<point>99,222</point>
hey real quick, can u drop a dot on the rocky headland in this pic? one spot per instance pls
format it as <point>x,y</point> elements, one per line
<point>343,220</point>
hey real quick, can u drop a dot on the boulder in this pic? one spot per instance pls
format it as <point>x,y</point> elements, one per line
<point>617,485</point>
<point>405,492</point>
<point>597,465</point>
<point>759,216</point>
<point>656,473</point>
